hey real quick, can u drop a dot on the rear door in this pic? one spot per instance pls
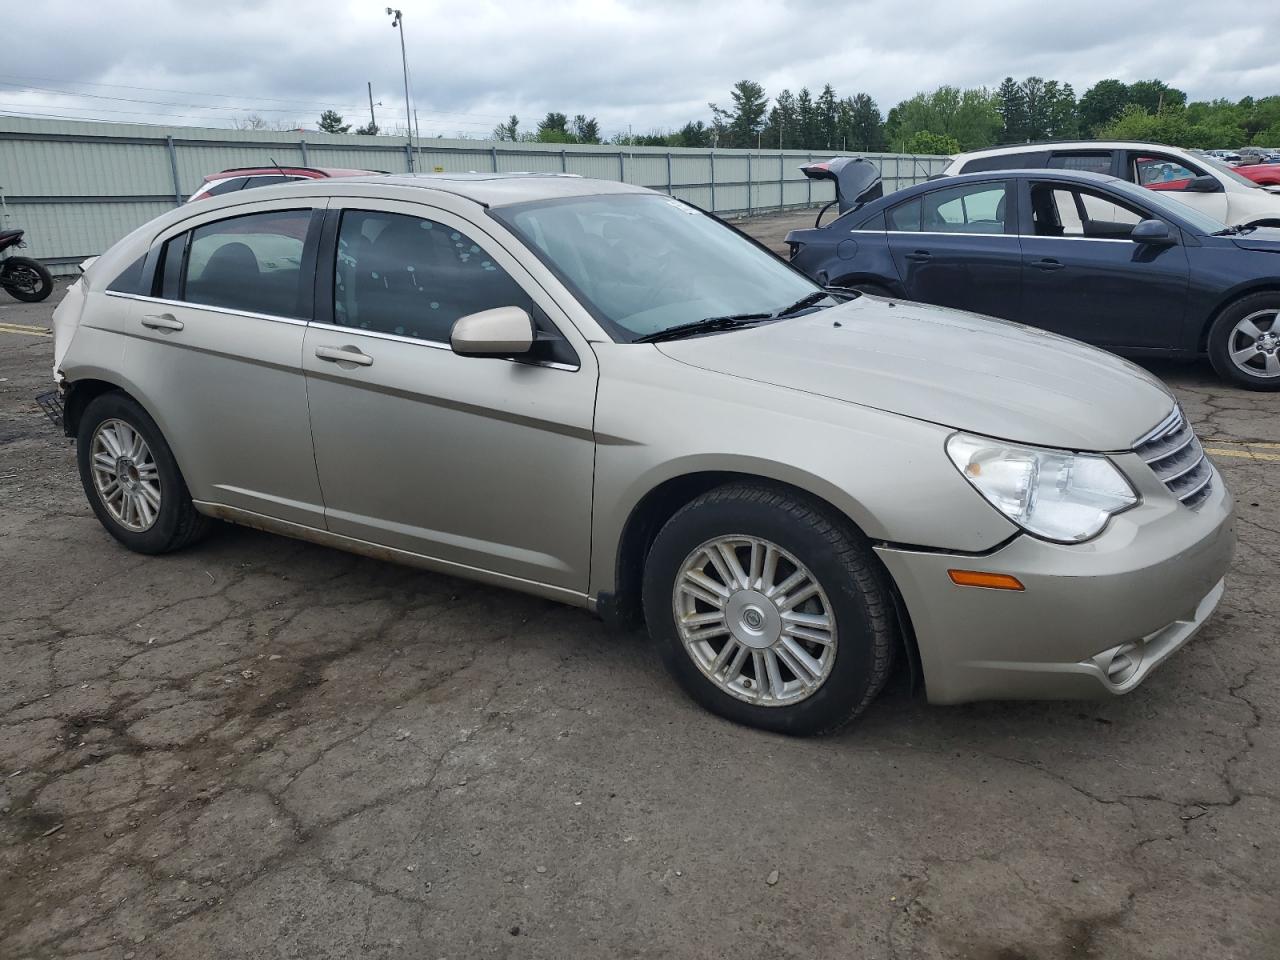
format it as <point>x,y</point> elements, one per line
<point>1083,277</point>
<point>957,246</point>
<point>217,348</point>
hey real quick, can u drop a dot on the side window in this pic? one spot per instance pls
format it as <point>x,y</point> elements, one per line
<point>226,186</point>
<point>129,280</point>
<point>1162,173</point>
<point>1025,160</point>
<point>1098,161</point>
<point>1061,212</point>
<point>973,208</point>
<point>905,218</point>
<point>251,263</point>
<point>414,277</point>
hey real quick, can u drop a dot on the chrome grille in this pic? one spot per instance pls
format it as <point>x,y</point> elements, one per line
<point>1174,454</point>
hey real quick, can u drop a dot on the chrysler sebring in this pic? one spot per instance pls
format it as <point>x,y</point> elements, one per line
<point>601,395</point>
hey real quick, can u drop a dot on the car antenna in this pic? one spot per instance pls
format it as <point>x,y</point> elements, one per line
<point>278,167</point>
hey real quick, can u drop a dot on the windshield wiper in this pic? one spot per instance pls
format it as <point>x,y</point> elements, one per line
<point>708,325</point>
<point>807,301</point>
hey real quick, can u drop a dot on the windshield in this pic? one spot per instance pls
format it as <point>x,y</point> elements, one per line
<point>1168,204</point>
<point>1230,172</point>
<point>643,263</point>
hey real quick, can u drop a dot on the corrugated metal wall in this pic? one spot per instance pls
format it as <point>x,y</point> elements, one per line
<point>76,187</point>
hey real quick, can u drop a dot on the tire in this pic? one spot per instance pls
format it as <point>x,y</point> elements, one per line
<point>1262,310</point>
<point>25,279</point>
<point>852,590</point>
<point>175,524</point>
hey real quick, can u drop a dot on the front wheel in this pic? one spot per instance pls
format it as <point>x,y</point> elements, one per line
<point>131,478</point>
<point>25,279</point>
<point>1244,342</point>
<point>770,610</point>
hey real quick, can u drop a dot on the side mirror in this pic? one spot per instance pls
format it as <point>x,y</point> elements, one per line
<point>500,332</point>
<point>1203,184</point>
<point>1155,232</point>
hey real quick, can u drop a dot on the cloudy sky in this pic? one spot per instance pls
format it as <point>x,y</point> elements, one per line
<point>645,63</point>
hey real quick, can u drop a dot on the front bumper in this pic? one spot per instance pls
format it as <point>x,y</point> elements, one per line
<point>1094,619</point>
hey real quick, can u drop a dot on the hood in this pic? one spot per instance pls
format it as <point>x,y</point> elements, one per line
<point>1245,205</point>
<point>956,369</point>
<point>857,180</point>
<point>1266,239</point>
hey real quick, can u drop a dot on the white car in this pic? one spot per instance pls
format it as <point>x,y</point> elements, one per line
<point>1199,181</point>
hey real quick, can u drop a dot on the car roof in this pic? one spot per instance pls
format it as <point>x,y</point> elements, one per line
<point>1041,145</point>
<point>487,189</point>
<point>267,171</point>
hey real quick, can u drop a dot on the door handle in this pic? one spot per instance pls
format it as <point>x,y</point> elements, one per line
<point>346,354</point>
<point>1048,263</point>
<point>920,256</point>
<point>162,321</point>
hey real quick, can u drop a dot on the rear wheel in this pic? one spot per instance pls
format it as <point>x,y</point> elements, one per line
<point>769,610</point>
<point>131,478</point>
<point>25,279</point>
<point>1244,342</point>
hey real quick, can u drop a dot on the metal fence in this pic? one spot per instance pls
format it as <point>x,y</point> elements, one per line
<point>77,187</point>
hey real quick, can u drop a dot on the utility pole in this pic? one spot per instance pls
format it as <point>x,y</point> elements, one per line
<point>373,123</point>
<point>397,23</point>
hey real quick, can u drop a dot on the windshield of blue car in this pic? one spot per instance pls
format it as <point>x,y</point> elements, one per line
<point>644,263</point>
<point>1167,204</point>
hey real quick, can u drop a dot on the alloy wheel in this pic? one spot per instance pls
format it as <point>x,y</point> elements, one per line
<point>1254,343</point>
<point>23,279</point>
<point>755,620</point>
<point>125,475</point>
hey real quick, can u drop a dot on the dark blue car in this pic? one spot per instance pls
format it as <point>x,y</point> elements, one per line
<point>1084,255</point>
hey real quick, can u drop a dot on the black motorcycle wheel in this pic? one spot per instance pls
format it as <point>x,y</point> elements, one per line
<point>25,279</point>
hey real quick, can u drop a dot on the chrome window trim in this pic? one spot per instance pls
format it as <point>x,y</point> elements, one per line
<point>1037,236</point>
<point>295,321</point>
<point>433,344</point>
<point>937,233</point>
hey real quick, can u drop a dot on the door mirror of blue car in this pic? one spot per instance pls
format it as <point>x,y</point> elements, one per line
<point>1155,232</point>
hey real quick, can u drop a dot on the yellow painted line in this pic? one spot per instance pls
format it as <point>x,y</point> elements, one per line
<point>23,328</point>
<point>1242,454</point>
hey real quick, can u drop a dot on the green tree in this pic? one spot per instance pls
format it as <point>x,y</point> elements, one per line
<point>1013,111</point>
<point>827,116</point>
<point>509,130</point>
<point>554,128</point>
<point>585,129</point>
<point>745,119</point>
<point>1101,104</point>
<point>922,141</point>
<point>370,129</point>
<point>971,117</point>
<point>331,122</point>
<point>695,133</point>
<point>863,127</point>
<point>1155,96</point>
<point>1061,111</point>
<point>782,131</point>
<point>806,120</point>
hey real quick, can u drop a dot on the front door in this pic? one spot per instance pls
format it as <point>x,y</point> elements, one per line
<point>955,247</point>
<point>220,337</point>
<point>1083,277</point>
<point>486,464</point>
<point>1172,175</point>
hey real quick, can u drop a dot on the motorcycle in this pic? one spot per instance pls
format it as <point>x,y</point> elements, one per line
<point>23,278</point>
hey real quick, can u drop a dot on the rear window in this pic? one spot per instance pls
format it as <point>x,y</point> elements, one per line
<point>1098,161</point>
<point>1030,160</point>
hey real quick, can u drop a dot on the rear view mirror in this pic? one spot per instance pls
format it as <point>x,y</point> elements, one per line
<point>1155,232</point>
<point>500,332</point>
<point>1203,184</point>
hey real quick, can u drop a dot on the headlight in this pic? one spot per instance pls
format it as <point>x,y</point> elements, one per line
<point>1067,497</point>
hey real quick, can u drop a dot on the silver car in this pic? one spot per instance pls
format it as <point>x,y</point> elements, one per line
<point>598,394</point>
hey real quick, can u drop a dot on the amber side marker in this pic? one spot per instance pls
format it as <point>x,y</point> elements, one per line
<point>992,581</point>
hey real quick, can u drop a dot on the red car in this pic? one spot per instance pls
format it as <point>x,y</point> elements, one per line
<point>1266,174</point>
<point>245,178</point>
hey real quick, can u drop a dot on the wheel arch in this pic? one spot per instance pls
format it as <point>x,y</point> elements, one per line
<point>1271,285</point>
<point>623,608</point>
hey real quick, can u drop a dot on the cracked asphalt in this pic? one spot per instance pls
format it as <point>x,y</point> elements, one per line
<point>262,748</point>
